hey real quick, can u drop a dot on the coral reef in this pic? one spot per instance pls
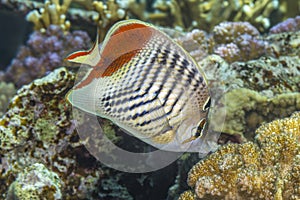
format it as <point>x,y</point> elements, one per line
<point>35,182</point>
<point>184,15</point>
<point>259,73</point>
<point>108,14</point>
<point>241,41</point>
<point>238,41</point>
<point>267,88</point>
<point>207,14</point>
<point>267,75</point>
<point>245,113</point>
<point>265,169</point>
<point>7,91</point>
<point>53,13</point>
<point>286,43</point>
<point>43,53</point>
<point>289,25</point>
<point>38,128</point>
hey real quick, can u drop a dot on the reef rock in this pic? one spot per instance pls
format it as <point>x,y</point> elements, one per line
<point>38,128</point>
<point>35,182</point>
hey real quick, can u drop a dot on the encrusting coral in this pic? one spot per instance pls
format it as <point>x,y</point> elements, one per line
<point>267,168</point>
<point>7,91</point>
<point>267,88</point>
<point>35,182</point>
<point>245,113</point>
<point>38,128</point>
<point>53,13</point>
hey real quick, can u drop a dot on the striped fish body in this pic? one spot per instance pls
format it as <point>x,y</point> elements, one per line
<point>145,83</point>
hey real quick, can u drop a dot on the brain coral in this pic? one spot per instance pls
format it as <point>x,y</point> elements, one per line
<point>265,169</point>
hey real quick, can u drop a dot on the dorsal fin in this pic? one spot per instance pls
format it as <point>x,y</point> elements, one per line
<point>90,57</point>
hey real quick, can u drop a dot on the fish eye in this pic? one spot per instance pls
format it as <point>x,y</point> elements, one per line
<point>198,132</point>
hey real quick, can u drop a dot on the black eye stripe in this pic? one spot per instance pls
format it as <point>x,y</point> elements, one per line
<point>207,104</point>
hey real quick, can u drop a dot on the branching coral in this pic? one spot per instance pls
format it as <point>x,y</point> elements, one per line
<point>207,14</point>
<point>53,13</point>
<point>108,14</point>
<point>43,53</point>
<point>265,169</point>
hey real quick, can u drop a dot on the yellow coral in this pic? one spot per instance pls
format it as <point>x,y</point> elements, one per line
<point>108,14</point>
<point>206,14</point>
<point>52,13</point>
<point>265,169</point>
<point>187,195</point>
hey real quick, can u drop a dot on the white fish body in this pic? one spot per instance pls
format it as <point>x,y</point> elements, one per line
<point>145,83</point>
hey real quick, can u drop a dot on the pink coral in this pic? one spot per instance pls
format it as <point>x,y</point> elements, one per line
<point>238,41</point>
<point>43,53</point>
<point>289,25</point>
<point>227,32</point>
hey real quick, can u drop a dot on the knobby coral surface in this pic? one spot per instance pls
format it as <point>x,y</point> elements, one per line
<point>246,109</point>
<point>238,41</point>
<point>43,53</point>
<point>253,92</point>
<point>7,91</point>
<point>241,41</point>
<point>267,168</point>
<point>34,182</point>
<point>38,128</point>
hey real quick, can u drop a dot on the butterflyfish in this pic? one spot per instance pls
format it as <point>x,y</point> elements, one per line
<point>146,84</point>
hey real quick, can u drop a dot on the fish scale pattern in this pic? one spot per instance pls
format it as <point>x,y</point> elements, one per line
<point>154,92</point>
<point>147,84</point>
